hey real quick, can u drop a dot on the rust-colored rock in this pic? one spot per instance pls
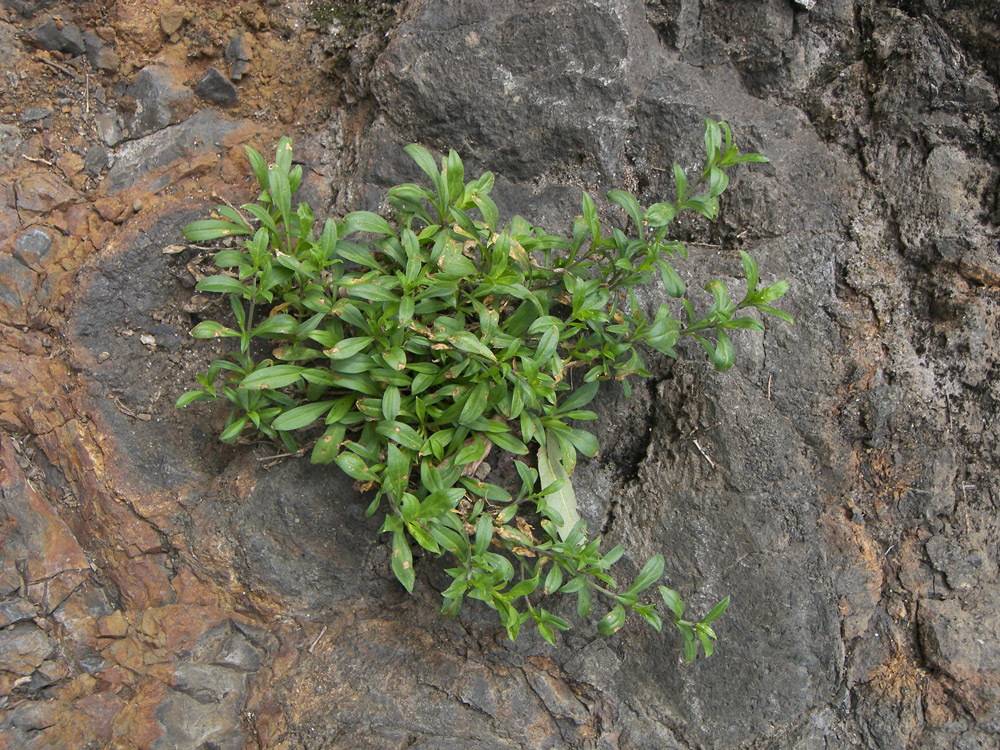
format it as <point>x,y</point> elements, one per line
<point>113,625</point>
<point>51,547</point>
<point>112,209</point>
<point>42,192</point>
<point>172,19</point>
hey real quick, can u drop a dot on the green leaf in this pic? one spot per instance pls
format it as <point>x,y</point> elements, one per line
<point>280,324</point>
<point>506,441</point>
<point>680,180</point>
<point>471,452</point>
<point>673,284</point>
<point>673,600</point>
<point>580,397</point>
<point>212,229</point>
<point>484,533</point>
<point>328,445</point>
<point>475,403</point>
<point>649,575</point>
<point>750,271</point>
<point>748,323</point>
<point>631,206</point>
<point>344,348</point>
<point>553,580</point>
<point>263,216</point>
<point>366,221</point>
<point>583,441</point>
<point>690,642</point>
<point>650,616</point>
<point>233,430</point>
<point>402,560</point>
<point>660,214</point>
<point>230,258</point>
<point>440,501</point>
<point>281,193</point>
<point>258,165</point>
<point>706,641</point>
<point>612,621</point>
<point>426,162</point>
<point>397,470</point>
<point>723,357</point>
<point>354,466</point>
<point>209,329</point>
<point>718,181</point>
<point>523,588</point>
<point>276,376</point>
<point>777,313</point>
<point>401,433</point>
<point>717,611</point>
<point>424,539</point>
<point>467,342</point>
<point>190,396</point>
<point>612,556</point>
<point>563,500</point>
<point>773,292</point>
<point>547,345</point>
<point>375,291</point>
<point>301,416</point>
<point>546,632</point>
<point>391,402</point>
<point>223,285</point>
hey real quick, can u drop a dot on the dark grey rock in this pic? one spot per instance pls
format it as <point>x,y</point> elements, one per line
<point>64,37</point>
<point>189,723</point>
<point>16,281</point>
<point>10,140</point>
<point>16,610</point>
<point>109,127</point>
<point>237,57</point>
<point>11,49</point>
<point>23,647</point>
<point>271,532</point>
<point>95,160</point>
<point>217,89</point>
<point>239,653</point>
<point>30,715</point>
<point>28,8</point>
<point>159,100</point>
<point>208,683</point>
<point>99,54</point>
<point>202,131</point>
<point>32,247</point>
<point>34,114</point>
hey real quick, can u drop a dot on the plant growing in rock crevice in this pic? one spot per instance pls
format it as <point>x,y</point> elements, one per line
<point>421,339</point>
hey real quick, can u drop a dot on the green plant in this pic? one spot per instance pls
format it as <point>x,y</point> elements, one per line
<point>421,339</point>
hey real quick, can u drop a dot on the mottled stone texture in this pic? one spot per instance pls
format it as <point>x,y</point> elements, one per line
<point>161,590</point>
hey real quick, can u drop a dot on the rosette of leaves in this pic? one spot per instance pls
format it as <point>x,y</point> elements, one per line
<point>404,347</point>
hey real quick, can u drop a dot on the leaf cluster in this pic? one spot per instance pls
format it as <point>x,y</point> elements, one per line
<point>404,347</point>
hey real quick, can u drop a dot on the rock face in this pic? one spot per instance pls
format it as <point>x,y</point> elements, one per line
<point>161,590</point>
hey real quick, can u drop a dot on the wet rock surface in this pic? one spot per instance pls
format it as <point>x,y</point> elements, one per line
<point>161,590</point>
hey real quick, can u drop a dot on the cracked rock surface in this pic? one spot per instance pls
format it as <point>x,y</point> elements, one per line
<point>159,589</point>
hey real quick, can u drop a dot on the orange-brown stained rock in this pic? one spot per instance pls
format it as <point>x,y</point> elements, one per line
<point>52,547</point>
<point>102,708</point>
<point>176,627</point>
<point>143,582</point>
<point>70,164</point>
<point>112,209</point>
<point>136,727</point>
<point>42,192</point>
<point>113,626</point>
